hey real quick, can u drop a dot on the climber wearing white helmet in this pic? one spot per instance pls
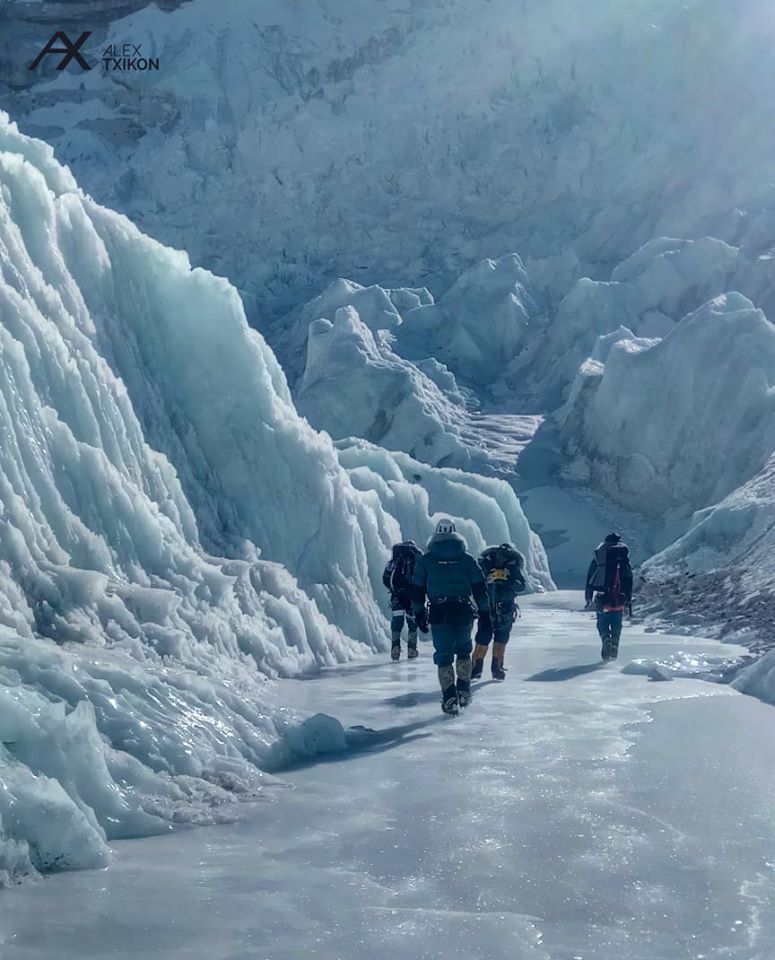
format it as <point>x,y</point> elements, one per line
<point>450,578</point>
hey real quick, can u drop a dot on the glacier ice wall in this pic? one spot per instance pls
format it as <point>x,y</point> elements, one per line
<point>479,327</point>
<point>401,141</point>
<point>172,532</point>
<point>109,341</point>
<point>412,491</point>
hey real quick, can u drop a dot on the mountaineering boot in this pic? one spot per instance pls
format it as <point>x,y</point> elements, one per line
<point>448,690</point>
<point>463,670</point>
<point>449,704</point>
<point>613,649</point>
<point>498,670</point>
<point>411,647</point>
<point>395,650</point>
<point>480,652</point>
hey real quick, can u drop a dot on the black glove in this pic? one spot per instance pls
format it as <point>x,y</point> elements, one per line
<point>485,620</point>
<point>421,617</point>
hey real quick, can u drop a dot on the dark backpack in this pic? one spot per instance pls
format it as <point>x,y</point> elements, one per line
<point>504,564</point>
<point>404,556</point>
<point>618,574</point>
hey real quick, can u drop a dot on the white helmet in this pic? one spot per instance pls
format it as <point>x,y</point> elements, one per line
<point>445,526</point>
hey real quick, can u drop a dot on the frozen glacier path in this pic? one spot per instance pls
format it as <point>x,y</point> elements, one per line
<point>575,813</point>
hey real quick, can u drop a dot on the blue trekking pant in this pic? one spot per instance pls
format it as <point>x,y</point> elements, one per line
<point>397,622</point>
<point>501,621</point>
<point>609,624</point>
<point>451,631</point>
<point>450,642</point>
<point>401,606</point>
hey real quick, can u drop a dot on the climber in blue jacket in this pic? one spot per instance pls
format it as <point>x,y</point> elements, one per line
<point>453,584</point>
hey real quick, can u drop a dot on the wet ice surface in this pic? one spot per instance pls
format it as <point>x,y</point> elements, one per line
<point>697,664</point>
<point>576,811</point>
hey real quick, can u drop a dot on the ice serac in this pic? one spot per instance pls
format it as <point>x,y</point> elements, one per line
<point>648,293</point>
<point>673,426</point>
<point>114,344</point>
<point>355,385</point>
<point>172,532</point>
<point>377,308</point>
<point>479,326</point>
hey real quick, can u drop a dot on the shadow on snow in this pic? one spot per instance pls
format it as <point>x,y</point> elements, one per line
<point>345,670</point>
<point>429,696</point>
<point>557,674</point>
<point>362,741</point>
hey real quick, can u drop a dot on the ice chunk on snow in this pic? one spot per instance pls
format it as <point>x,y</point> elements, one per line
<point>317,735</point>
<point>702,666</point>
<point>101,744</point>
<point>758,679</point>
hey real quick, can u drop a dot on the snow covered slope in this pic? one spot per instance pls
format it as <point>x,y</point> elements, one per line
<point>721,573</point>
<point>282,144</point>
<point>170,522</point>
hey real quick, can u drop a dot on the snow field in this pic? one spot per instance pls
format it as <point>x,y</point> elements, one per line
<point>562,816</point>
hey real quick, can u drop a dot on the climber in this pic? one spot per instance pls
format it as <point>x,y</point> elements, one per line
<point>454,585</point>
<point>503,569</point>
<point>609,582</point>
<point>398,580</point>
